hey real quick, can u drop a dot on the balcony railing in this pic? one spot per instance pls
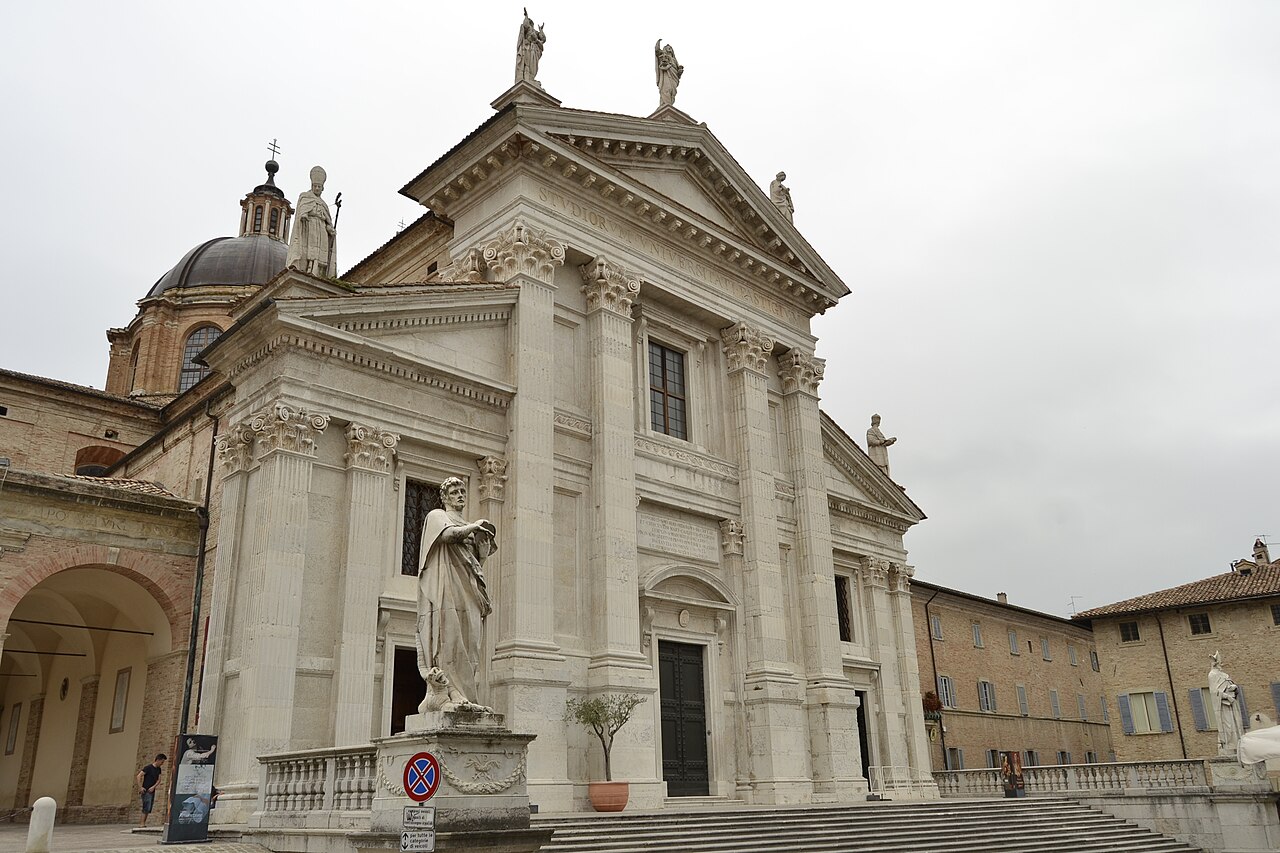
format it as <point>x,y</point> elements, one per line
<point>1186,776</point>
<point>333,780</point>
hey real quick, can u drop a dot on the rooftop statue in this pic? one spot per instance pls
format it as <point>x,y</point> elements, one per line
<point>1224,694</point>
<point>781,196</point>
<point>878,445</point>
<point>453,602</point>
<point>668,71</point>
<point>529,50</point>
<point>313,244</point>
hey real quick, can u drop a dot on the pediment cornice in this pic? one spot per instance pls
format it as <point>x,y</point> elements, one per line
<point>889,499</point>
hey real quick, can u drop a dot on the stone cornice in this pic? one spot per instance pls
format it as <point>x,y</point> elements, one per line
<point>570,423</point>
<point>747,347</point>
<point>687,457</point>
<point>863,512</point>
<point>609,286</point>
<point>893,502</point>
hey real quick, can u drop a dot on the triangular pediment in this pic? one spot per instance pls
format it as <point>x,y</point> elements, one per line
<point>678,184</point>
<point>854,480</point>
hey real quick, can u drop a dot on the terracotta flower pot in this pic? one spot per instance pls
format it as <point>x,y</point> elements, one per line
<point>608,796</point>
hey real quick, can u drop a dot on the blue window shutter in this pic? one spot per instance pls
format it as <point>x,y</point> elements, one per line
<point>1162,710</point>
<point>1197,709</point>
<point>1275,695</point>
<point>1126,716</point>
<point>1244,709</point>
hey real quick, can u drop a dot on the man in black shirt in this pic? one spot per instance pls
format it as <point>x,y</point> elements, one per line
<point>148,781</point>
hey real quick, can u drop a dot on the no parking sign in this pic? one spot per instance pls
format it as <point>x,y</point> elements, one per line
<point>421,777</point>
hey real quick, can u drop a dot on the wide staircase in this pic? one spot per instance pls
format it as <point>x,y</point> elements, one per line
<point>934,826</point>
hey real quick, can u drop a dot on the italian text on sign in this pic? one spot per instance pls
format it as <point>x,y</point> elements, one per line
<point>419,817</point>
<point>418,841</point>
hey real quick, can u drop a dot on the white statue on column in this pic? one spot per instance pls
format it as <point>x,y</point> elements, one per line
<point>878,445</point>
<point>668,71</point>
<point>313,244</point>
<point>529,47</point>
<point>781,196</point>
<point>1225,696</point>
<point>453,601</point>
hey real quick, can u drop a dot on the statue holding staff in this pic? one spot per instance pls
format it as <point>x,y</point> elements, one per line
<point>529,47</point>
<point>668,72</point>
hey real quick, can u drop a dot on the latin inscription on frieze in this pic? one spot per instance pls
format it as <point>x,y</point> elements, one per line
<point>684,537</point>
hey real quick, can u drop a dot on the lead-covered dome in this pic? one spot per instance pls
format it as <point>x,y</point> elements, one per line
<point>251,259</point>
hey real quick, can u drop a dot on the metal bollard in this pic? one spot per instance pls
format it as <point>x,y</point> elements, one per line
<point>40,832</point>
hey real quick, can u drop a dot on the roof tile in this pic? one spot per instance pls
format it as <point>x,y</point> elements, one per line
<point>1261,580</point>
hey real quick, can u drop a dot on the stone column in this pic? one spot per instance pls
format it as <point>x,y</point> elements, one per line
<point>368,460</point>
<point>528,676</point>
<point>918,752</point>
<point>883,643</point>
<point>830,700</point>
<point>83,747</point>
<point>30,745</point>
<point>492,490</point>
<point>235,454</point>
<point>775,721</point>
<point>273,568</point>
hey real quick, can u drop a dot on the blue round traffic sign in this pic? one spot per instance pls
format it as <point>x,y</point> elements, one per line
<point>421,777</point>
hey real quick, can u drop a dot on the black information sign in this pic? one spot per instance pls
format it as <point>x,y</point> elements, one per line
<point>192,791</point>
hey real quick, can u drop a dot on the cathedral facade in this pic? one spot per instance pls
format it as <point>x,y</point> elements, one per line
<point>602,325</point>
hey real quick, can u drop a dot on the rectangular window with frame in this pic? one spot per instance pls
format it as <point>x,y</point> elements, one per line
<point>946,691</point>
<point>1082,707</point>
<point>120,702</point>
<point>1071,655</point>
<point>668,406</point>
<point>844,614</point>
<point>1032,759</point>
<point>1054,706</point>
<point>1091,757</point>
<point>977,635</point>
<point>1145,712</point>
<point>1204,710</point>
<point>935,627</point>
<point>1044,648</point>
<point>1023,708</point>
<point>1106,712</point>
<point>419,499</point>
<point>1199,623</point>
<point>955,758</point>
<point>11,740</point>
<point>1093,661</point>
<point>1129,632</point>
<point>1013,643</point>
<point>986,696</point>
<point>1275,614</point>
<point>993,758</point>
<point>1064,757</point>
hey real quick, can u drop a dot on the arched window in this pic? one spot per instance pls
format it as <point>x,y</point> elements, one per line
<point>93,461</point>
<point>197,341</point>
<point>257,219</point>
<point>133,366</point>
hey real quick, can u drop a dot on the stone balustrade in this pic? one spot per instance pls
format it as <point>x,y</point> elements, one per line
<point>1142,776</point>
<point>317,780</point>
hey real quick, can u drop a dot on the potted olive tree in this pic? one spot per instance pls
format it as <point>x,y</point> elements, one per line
<point>604,716</point>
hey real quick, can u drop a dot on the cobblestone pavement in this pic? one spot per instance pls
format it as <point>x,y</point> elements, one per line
<point>117,838</point>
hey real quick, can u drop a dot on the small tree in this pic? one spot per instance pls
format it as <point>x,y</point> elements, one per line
<point>604,715</point>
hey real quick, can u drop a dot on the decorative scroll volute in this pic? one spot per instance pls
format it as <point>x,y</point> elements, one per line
<point>800,371</point>
<point>609,286</point>
<point>370,448</point>
<point>235,449</point>
<point>877,572</point>
<point>493,478</point>
<point>469,267</point>
<point>901,578</point>
<point>523,249</point>
<point>747,347</point>
<point>281,427</point>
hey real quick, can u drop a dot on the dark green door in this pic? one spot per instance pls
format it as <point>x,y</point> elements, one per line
<point>682,684</point>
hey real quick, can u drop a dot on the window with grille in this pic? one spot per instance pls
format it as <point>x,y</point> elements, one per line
<point>196,341</point>
<point>419,499</point>
<point>1129,632</point>
<point>977,635</point>
<point>843,614</point>
<point>986,696</point>
<point>668,408</point>
<point>1199,623</point>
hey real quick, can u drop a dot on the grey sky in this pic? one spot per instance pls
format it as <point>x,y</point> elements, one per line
<point>1058,221</point>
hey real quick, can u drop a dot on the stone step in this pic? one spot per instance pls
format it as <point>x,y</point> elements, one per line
<point>1050,825</point>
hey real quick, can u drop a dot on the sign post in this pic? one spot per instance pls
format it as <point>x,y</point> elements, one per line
<point>421,781</point>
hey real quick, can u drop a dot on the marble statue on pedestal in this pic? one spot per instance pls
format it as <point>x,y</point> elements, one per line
<point>1224,694</point>
<point>668,72</point>
<point>781,196</point>
<point>529,47</point>
<point>453,602</point>
<point>878,445</point>
<point>313,244</point>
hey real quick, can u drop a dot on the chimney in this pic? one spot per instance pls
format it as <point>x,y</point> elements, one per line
<point>1261,555</point>
<point>1003,598</point>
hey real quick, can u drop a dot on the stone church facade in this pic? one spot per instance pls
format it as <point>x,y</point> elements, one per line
<point>603,326</point>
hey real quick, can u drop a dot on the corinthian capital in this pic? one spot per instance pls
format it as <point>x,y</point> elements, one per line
<point>493,477</point>
<point>282,427</point>
<point>733,537</point>
<point>800,371</point>
<point>523,249</point>
<point>235,449</point>
<point>609,286</point>
<point>877,572</point>
<point>747,347</point>
<point>901,578</point>
<point>370,448</point>
<point>468,267</point>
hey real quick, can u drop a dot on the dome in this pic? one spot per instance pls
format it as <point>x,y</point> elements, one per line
<point>252,259</point>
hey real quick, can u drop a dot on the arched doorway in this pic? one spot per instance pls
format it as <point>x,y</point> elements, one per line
<point>78,706</point>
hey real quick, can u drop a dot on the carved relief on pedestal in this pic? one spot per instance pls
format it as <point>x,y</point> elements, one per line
<point>370,448</point>
<point>732,537</point>
<point>901,579</point>
<point>747,347</point>
<point>282,427</point>
<point>800,371</point>
<point>493,478</point>
<point>877,572</point>
<point>609,286</point>
<point>523,249</point>
<point>469,267</point>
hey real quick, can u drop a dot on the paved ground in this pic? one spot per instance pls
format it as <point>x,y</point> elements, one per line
<point>113,837</point>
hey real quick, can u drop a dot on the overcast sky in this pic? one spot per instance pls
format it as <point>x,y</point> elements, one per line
<point>1058,220</point>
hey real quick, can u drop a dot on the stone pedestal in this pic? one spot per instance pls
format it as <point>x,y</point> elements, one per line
<point>1228,774</point>
<point>482,802</point>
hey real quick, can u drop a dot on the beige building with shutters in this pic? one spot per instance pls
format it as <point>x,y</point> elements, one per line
<point>1155,651</point>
